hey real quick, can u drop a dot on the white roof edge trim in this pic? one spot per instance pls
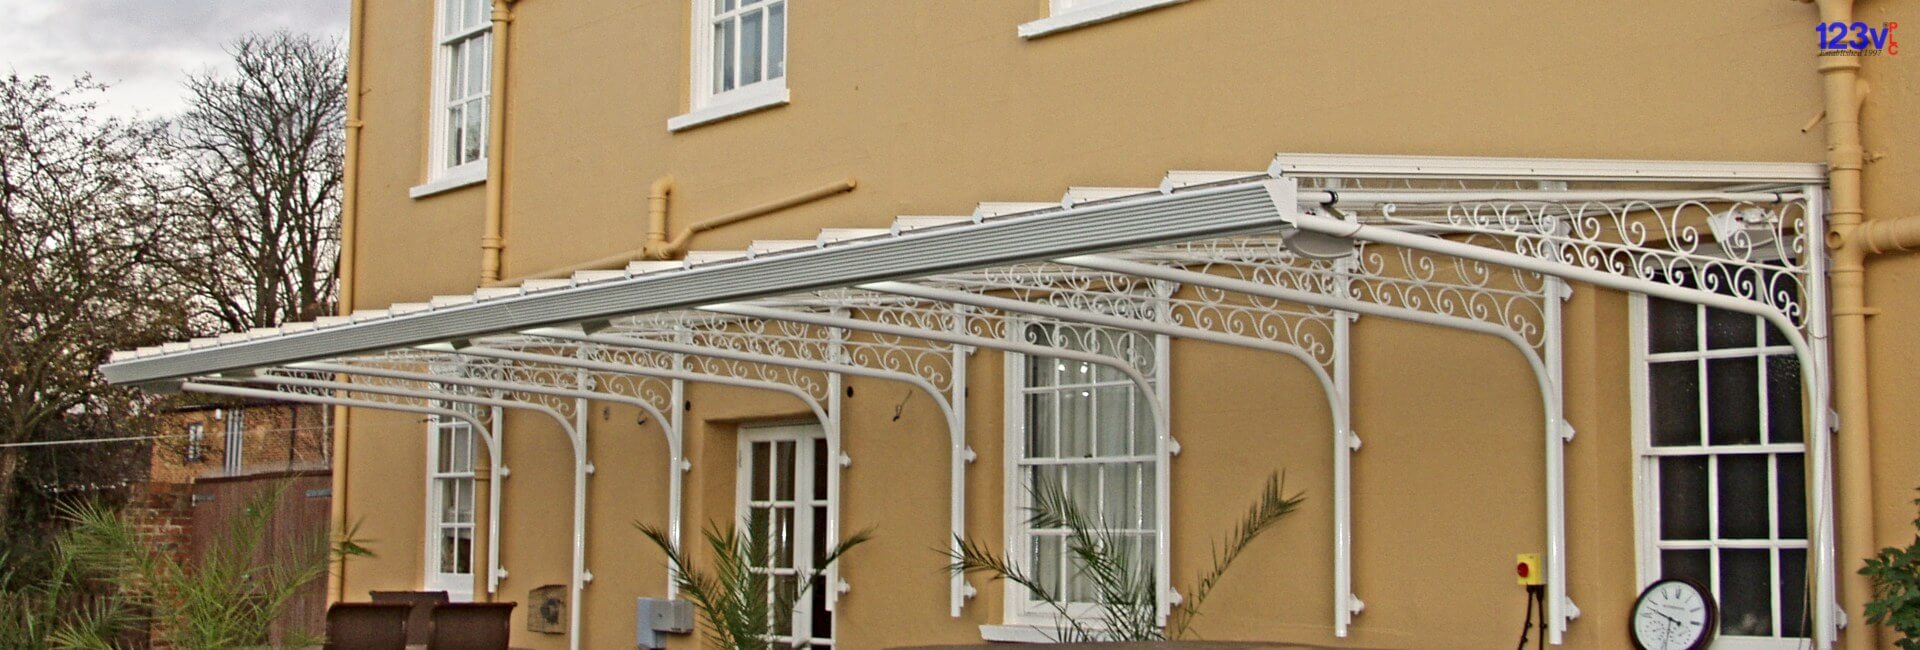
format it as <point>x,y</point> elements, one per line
<point>1360,165</point>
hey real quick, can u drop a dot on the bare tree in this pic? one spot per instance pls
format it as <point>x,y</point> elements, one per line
<point>82,269</point>
<point>260,156</point>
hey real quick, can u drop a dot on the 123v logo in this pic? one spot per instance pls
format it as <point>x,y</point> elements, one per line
<point>1859,39</point>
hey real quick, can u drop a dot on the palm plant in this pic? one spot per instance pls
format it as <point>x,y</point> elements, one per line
<point>230,597</point>
<point>742,606</point>
<point>1124,603</point>
<point>62,608</point>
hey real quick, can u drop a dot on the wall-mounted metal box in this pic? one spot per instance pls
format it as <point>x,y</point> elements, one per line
<point>658,617</point>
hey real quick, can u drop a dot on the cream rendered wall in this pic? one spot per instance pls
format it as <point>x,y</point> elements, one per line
<point>934,106</point>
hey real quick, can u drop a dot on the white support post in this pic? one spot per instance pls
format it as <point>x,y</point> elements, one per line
<point>836,383</point>
<point>1345,603</point>
<point>1560,608</point>
<point>497,472</point>
<point>1825,600</point>
<point>677,468</point>
<point>959,592</point>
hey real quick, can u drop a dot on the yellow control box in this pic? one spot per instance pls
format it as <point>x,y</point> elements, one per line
<point>1529,570</point>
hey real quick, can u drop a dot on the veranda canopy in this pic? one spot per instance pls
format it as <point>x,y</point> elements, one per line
<point>1278,262</point>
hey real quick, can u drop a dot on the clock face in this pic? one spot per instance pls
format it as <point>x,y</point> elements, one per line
<point>1673,615</point>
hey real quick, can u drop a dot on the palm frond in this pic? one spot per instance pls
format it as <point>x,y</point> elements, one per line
<point>1272,506</point>
<point>741,607</point>
<point>1117,565</point>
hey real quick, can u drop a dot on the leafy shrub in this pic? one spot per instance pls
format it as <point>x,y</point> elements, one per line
<point>1895,573</point>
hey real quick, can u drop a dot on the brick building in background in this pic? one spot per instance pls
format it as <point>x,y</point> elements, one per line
<point>212,459</point>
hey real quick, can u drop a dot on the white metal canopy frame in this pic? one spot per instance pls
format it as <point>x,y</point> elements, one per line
<point>1281,261</point>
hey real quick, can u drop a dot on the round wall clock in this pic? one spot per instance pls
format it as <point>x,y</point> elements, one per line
<point>1674,614</point>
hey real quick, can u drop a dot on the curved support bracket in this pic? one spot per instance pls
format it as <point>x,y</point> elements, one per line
<point>1549,388</point>
<point>1814,377</point>
<point>959,437</point>
<point>955,426</point>
<point>671,425</point>
<point>580,464</point>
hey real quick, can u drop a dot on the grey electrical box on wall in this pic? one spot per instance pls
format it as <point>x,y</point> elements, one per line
<point>658,617</point>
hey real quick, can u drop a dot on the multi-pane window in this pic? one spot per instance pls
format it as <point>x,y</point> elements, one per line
<point>1088,431</point>
<point>746,45</point>
<point>196,441</point>
<point>783,491</point>
<point>462,89</point>
<point>450,504</point>
<point>236,439</point>
<point>1723,454</point>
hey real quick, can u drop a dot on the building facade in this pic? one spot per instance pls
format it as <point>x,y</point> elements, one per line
<point>527,151</point>
<point>209,441</point>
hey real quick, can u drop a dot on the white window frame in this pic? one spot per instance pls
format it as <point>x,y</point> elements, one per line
<point>233,460</point>
<point>704,103</point>
<point>1063,15</point>
<point>1646,495</point>
<point>196,442</point>
<point>803,436</point>
<point>443,173</point>
<point>1023,619</point>
<point>459,586</point>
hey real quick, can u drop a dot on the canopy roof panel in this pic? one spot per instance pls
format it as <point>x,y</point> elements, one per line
<point>1186,207</point>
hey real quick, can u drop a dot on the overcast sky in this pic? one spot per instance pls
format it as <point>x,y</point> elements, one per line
<point>145,47</point>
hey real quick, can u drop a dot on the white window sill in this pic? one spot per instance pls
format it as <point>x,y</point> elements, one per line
<point>471,174</point>
<point>1098,13</point>
<point>734,103</point>
<point>1015,634</point>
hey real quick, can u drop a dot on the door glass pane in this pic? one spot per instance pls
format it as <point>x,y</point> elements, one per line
<point>821,618</point>
<point>782,545</point>
<point>1783,399</point>
<point>1671,326</point>
<point>762,483</point>
<point>1796,618</point>
<point>1743,496</point>
<point>1674,392</point>
<point>1746,592</point>
<point>820,460</point>
<point>1733,394</point>
<point>783,470</point>
<point>1727,329</point>
<point>820,545</point>
<point>1683,497</point>
<point>1145,430</point>
<point>1791,484</point>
